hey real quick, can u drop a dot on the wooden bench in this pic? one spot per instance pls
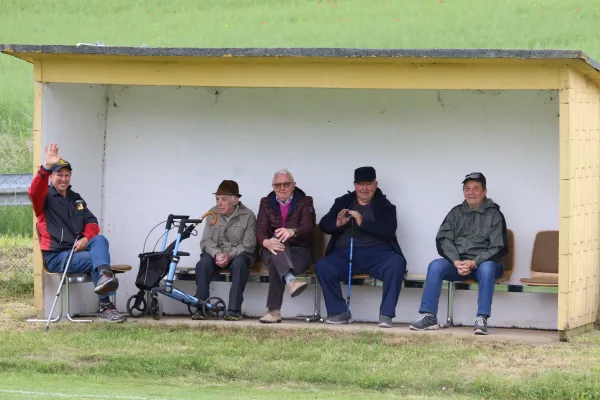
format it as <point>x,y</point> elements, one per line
<point>260,274</point>
<point>544,273</point>
<point>544,260</point>
<point>73,279</point>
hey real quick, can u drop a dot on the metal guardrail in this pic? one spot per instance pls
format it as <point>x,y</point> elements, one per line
<point>13,189</point>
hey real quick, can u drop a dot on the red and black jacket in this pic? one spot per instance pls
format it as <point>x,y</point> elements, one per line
<point>59,218</point>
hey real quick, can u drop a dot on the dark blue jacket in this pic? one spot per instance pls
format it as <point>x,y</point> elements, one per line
<point>384,226</point>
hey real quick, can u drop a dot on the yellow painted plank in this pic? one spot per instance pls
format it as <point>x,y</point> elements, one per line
<point>272,73</point>
<point>38,278</point>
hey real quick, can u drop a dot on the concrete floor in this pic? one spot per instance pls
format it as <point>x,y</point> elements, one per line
<point>502,334</point>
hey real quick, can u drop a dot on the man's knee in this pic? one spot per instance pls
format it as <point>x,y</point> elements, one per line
<point>241,262</point>
<point>438,267</point>
<point>100,239</point>
<point>488,270</point>
<point>322,267</point>
<point>205,262</point>
<point>397,263</point>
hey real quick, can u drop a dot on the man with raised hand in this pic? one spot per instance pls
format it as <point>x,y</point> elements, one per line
<point>63,219</point>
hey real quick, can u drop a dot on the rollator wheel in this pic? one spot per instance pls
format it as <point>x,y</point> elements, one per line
<point>214,307</point>
<point>136,306</point>
<point>156,308</point>
<point>192,309</point>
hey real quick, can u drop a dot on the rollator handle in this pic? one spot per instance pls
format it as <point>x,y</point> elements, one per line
<point>172,218</point>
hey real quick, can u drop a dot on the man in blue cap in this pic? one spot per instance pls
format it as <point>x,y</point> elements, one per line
<point>63,216</point>
<point>376,248</point>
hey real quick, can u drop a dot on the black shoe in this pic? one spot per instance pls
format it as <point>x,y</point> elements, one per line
<point>480,327</point>
<point>109,313</point>
<point>107,283</point>
<point>426,321</point>
<point>338,319</point>
<point>198,315</point>
<point>233,316</point>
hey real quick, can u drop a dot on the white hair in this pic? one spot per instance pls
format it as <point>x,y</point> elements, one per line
<point>284,171</point>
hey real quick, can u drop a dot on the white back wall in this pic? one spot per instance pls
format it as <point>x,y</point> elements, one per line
<point>73,115</point>
<point>168,148</point>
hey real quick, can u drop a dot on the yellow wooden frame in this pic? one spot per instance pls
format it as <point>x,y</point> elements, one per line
<point>577,82</point>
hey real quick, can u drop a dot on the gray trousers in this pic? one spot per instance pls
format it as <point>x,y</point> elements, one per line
<point>294,259</point>
<point>206,269</point>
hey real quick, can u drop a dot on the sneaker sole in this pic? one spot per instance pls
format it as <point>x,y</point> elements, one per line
<point>109,286</point>
<point>479,332</point>
<point>232,318</point>
<point>299,291</point>
<point>385,325</point>
<point>337,322</point>
<point>269,322</point>
<point>429,328</point>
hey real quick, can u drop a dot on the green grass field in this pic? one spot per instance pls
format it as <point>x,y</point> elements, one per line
<point>208,361</point>
<point>136,361</point>
<point>530,24</point>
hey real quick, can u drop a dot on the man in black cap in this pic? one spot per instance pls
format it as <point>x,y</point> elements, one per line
<point>229,244</point>
<point>61,215</point>
<point>471,240</point>
<point>368,216</point>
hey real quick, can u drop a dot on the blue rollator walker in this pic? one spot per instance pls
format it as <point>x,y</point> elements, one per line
<point>154,266</point>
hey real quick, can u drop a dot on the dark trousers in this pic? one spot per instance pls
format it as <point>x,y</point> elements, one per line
<point>206,269</point>
<point>294,259</point>
<point>381,263</point>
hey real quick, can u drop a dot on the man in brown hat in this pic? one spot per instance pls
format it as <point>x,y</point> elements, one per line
<point>229,244</point>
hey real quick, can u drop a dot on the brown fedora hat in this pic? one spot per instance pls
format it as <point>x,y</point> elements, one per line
<point>228,188</point>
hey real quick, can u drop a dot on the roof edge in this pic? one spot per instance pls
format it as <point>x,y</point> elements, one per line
<point>15,49</point>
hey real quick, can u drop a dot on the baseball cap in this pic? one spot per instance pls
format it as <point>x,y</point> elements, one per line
<point>475,176</point>
<point>61,164</point>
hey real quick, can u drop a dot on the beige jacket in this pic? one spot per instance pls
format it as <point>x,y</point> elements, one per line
<point>235,236</point>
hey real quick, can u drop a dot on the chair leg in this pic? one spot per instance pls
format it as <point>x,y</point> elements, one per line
<point>316,317</point>
<point>450,320</point>
<point>69,306</point>
<point>60,311</point>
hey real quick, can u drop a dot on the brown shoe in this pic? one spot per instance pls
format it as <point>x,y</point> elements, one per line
<point>271,317</point>
<point>296,287</point>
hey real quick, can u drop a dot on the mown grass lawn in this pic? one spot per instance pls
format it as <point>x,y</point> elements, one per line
<point>179,361</point>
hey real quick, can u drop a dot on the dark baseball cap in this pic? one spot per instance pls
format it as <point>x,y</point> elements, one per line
<point>475,176</point>
<point>364,174</point>
<point>61,164</point>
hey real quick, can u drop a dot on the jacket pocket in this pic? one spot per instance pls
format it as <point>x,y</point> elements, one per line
<point>235,234</point>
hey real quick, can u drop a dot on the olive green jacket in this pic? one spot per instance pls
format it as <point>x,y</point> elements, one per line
<point>478,235</point>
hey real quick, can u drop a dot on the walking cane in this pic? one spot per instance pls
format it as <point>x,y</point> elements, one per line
<point>62,280</point>
<point>350,271</point>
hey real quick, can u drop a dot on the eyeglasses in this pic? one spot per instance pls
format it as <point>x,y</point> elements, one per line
<point>282,185</point>
<point>365,184</point>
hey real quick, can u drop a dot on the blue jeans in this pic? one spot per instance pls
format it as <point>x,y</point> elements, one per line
<point>442,270</point>
<point>82,262</point>
<point>381,263</point>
